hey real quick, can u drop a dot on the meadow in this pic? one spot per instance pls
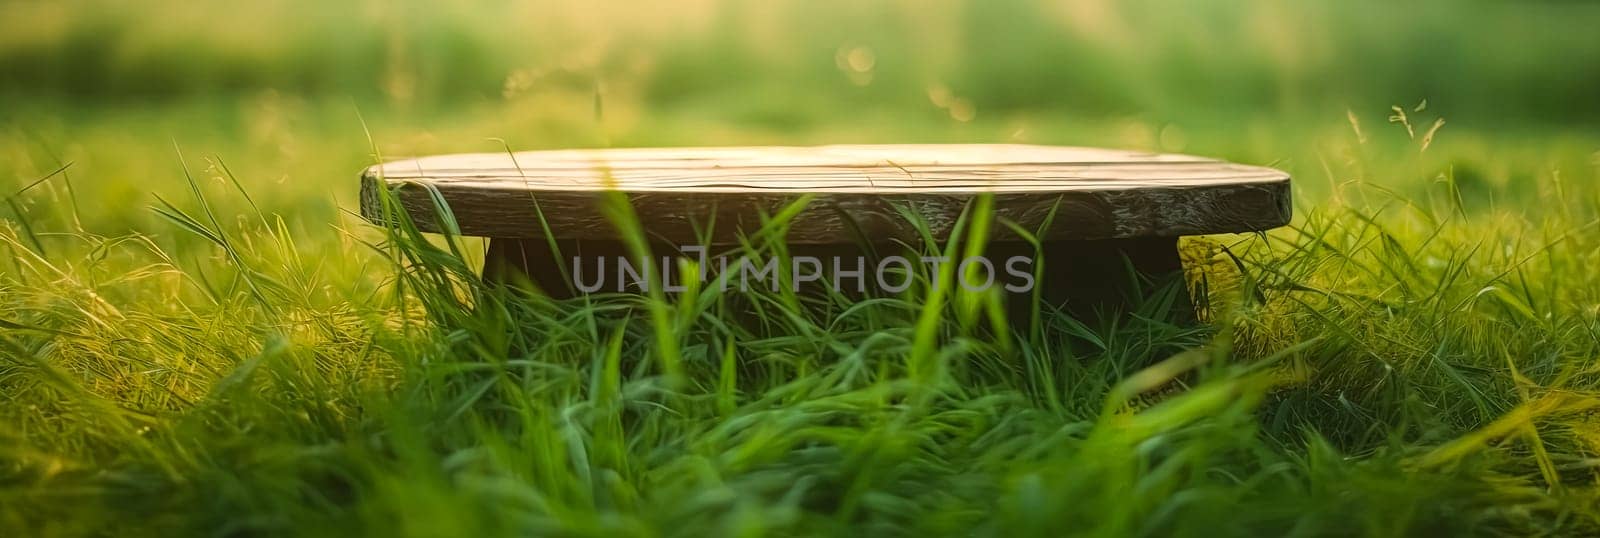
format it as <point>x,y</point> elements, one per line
<point>199,337</point>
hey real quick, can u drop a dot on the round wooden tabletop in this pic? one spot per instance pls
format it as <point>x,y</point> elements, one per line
<point>860,191</point>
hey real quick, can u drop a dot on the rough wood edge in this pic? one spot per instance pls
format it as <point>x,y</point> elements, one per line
<point>1102,214</point>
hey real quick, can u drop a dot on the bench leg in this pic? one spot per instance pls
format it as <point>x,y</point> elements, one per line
<point>1091,279</point>
<point>521,261</point>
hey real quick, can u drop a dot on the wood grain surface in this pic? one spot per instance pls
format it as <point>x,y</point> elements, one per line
<point>859,191</point>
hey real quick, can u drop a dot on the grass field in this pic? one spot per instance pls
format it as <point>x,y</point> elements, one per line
<point>197,337</point>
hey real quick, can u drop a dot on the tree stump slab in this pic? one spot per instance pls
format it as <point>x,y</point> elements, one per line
<point>1095,212</point>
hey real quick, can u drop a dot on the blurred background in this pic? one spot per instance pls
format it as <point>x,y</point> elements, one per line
<point>782,60</point>
<point>296,95</point>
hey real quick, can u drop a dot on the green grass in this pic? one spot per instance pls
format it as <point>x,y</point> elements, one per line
<point>1414,353</point>
<point>198,338</point>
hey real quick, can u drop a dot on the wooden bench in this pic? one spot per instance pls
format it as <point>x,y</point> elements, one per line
<point>1097,212</point>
